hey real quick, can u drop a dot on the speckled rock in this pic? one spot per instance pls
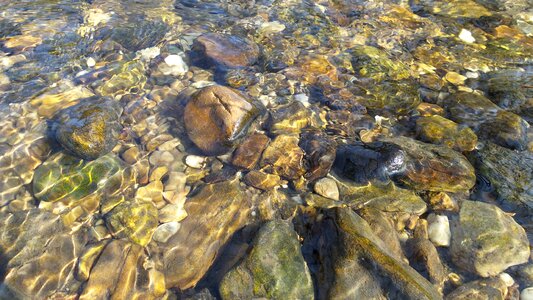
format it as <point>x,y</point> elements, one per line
<point>441,131</point>
<point>274,269</point>
<point>133,219</point>
<point>225,50</point>
<point>320,153</point>
<point>262,180</point>
<point>283,157</point>
<point>486,241</point>
<point>291,118</point>
<point>216,116</point>
<point>88,129</point>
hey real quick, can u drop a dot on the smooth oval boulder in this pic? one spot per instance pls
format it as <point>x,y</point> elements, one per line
<point>214,49</point>
<point>486,240</point>
<point>89,129</point>
<point>275,268</point>
<point>216,116</point>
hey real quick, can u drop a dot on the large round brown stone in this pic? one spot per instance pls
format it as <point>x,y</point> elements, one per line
<point>216,117</point>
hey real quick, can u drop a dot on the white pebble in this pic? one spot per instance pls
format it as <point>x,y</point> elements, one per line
<point>165,231</point>
<point>271,27</point>
<point>466,36</point>
<point>470,74</point>
<point>439,230</point>
<point>91,62</point>
<point>172,213</point>
<point>303,98</point>
<point>195,161</point>
<point>527,294</point>
<point>509,281</point>
<point>177,65</point>
<point>148,54</point>
<point>327,187</point>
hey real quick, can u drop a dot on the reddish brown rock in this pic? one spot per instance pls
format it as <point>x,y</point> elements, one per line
<point>216,116</point>
<point>263,181</point>
<point>247,155</point>
<point>284,157</point>
<point>225,50</point>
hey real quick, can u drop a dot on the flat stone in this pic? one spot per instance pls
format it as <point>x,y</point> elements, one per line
<point>486,241</point>
<point>441,131</point>
<point>320,151</point>
<point>216,116</point>
<point>133,219</point>
<point>261,180</point>
<point>172,213</point>
<point>491,288</point>
<point>327,187</point>
<point>165,231</point>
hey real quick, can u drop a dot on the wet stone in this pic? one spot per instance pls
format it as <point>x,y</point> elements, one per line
<point>249,152</point>
<point>135,220</point>
<point>215,213</point>
<point>229,51</point>
<point>441,131</point>
<point>327,187</point>
<point>261,180</point>
<point>216,116</point>
<point>89,129</point>
<point>283,157</point>
<point>491,288</point>
<point>486,241</point>
<point>488,120</point>
<point>425,259</point>
<point>509,172</point>
<point>291,118</point>
<point>320,153</point>
<point>433,167</point>
<point>274,269</point>
<point>367,162</point>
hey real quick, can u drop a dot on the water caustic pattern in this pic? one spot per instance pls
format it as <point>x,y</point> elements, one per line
<point>187,149</point>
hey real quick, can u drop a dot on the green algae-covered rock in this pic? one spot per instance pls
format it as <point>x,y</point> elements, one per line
<point>135,220</point>
<point>88,129</point>
<point>126,77</point>
<point>434,167</point>
<point>441,131</point>
<point>486,240</point>
<point>68,179</point>
<point>371,62</point>
<point>391,97</point>
<point>274,269</point>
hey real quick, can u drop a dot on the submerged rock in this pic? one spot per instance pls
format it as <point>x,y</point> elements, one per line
<point>215,213</point>
<point>488,120</point>
<point>291,118</point>
<point>68,179</point>
<point>88,129</point>
<point>283,157</point>
<point>216,116</point>
<point>441,131</point>
<point>122,271</point>
<point>357,236</point>
<point>39,255</point>
<point>491,288</point>
<point>274,269</point>
<point>510,173</point>
<point>433,167</point>
<point>133,219</point>
<point>486,241</point>
<point>249,152</point>
<point>320,153</point>
<point>225,50</point>
<point>367,162</point>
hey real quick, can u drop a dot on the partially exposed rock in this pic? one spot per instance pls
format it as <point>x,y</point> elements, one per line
<point>228,51</point>
<point>216,116</point>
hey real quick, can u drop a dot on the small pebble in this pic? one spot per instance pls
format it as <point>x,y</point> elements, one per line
<point>91,62</point>
<point>527,294</point>
<point>177,65</point>
<point>439,230</point>
<point>509,281</point>
<point>165,231</point>
<point>195,161</point>
<point>466,36</point>
<point>327,187</point>
<point>149,53</point>
<point>172,213</point>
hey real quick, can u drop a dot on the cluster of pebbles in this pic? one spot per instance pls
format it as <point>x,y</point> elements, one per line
<point>274,150</point>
